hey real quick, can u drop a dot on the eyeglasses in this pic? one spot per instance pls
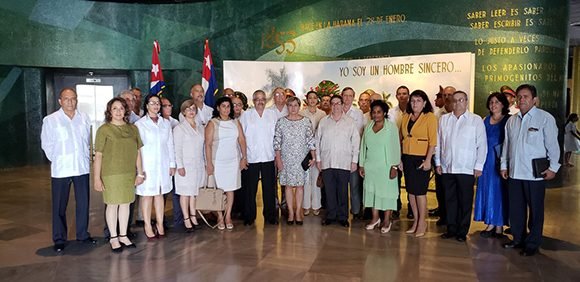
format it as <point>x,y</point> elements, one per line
<point>154,104</point>
<point>190,110</point>
<point>336,104</point>
<point>238,105</point>
<point>460,100</point>
<point>279,94</point>
<point>259,100</point>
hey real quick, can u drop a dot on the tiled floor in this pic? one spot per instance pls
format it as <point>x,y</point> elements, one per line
<point>277,253</point>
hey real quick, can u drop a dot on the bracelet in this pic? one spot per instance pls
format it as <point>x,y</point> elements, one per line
<point>141,175</point>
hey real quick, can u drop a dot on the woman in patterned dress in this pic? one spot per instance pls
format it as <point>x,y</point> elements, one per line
<point>293,140</point>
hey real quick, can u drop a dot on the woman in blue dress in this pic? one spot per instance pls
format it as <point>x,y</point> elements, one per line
<point>491,195</point>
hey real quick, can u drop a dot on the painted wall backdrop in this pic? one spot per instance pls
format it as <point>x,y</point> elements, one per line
<point>514,42</point>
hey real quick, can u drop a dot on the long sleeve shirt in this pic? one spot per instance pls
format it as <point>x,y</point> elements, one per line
<point>337,142</point>
<point>359,119</point>
<point>527,137</point>
<point>461,143</point>
<point>65,142</point>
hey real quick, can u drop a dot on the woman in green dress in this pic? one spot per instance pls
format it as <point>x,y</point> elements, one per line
<point>380,152</point>
<point>117,169</point>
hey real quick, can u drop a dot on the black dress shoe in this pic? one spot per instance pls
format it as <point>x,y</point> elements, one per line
<point>139,223</point>
<point>447,235</point>
<point>513,245</point>
<point>89,240</point>
<point>299,222</point>
<point>434,212</point>
<point>395,215</point>
<point>59,248</point>
<point>528,252</point>
<point>461,238</point>
<point>344,223</point>
<point>487,233</point>
<point>248,222</point>
<point>327,221</point>
<point>508,231</point>
<point>273,221</point>
<point>131,235</point>
<point>290,222</point>
<point>441,222</point>
<point>410,215</point>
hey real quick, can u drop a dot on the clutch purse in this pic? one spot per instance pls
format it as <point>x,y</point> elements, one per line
<point>306,161</point>
<point>540,165</point>
<point>393,173</point>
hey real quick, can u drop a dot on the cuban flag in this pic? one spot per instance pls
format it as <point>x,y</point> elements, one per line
<point>208,79</point>
<point>156,84</point>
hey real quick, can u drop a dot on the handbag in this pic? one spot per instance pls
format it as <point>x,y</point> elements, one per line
<point>210,198</point>
<point>306,161</point>
<point>393,173</point>
<point>319,181</point>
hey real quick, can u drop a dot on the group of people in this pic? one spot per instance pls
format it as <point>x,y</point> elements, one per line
<point>354,153</point>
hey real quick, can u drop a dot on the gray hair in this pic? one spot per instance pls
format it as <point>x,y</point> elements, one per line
<point>125,93</point>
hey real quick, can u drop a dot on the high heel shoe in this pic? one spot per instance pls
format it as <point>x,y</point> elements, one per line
<point>188,229</point>
<point>159,234</point>
<point>116,250</point>
<point>152,237</point>
<point>420,233</point>
<point>373,225</point>
<point>386,229</point>
<point>130,246</point>
<point>194,222</point>
<point>411,231</point>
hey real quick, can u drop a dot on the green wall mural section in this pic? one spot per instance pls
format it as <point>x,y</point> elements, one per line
<point>514,42</point>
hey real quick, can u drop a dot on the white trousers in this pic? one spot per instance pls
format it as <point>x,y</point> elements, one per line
<point>312,192</point>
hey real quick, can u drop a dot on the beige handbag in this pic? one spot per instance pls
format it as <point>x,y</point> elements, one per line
<point>210,199</point>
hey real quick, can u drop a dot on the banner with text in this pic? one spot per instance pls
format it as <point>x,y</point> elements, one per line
<point>382,75</point>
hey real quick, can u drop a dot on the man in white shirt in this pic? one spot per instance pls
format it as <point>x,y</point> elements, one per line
<point>65,140</point>
<point>166,109</point>
<point>129,98</point>
<point>355,179</point>
<point>259,124</point>
<point>395,115</point>
<point>444,103</point>
<point>137,105</point>
<point>279,106</point>
<point>530,134</point>
<point>459,158</point>
<point>337,149</point>
<point>204,112</point>
<point>439,104</point>
<point>364,99</point>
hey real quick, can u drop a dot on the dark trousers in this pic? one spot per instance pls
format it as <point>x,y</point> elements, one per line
<point>336,190</point>
<point>440,194</point>
<point>250,178</point>
<point>527,195</point>
<point>458,201</point>
<point>60,195</point>
<point>356,186</point>
<point>399,202</point>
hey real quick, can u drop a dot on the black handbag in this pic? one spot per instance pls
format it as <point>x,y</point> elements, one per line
<point>306,162</point>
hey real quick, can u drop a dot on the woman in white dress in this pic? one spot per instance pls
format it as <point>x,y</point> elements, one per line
<point>224,143</point>
<point>312,193</point>
<point>571,139</point>
<point>158,164</point>
<point>189,138</point>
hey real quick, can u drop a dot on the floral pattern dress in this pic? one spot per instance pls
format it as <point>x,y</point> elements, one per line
<point>294,139</point>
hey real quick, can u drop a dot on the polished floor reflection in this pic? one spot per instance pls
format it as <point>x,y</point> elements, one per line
<point>277,253</point>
